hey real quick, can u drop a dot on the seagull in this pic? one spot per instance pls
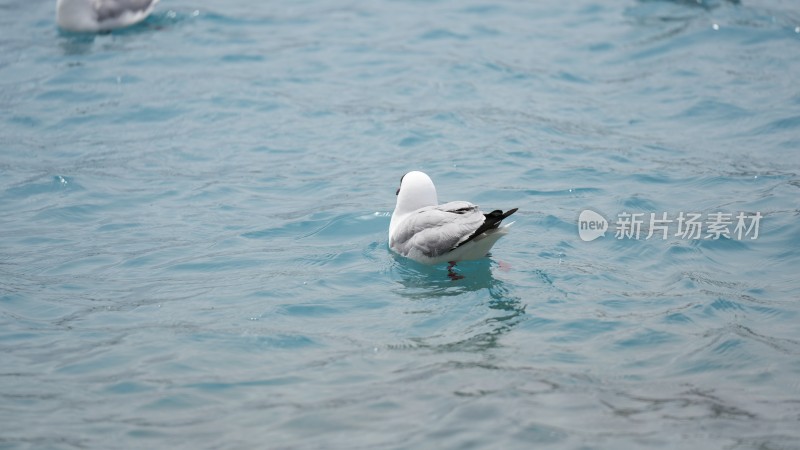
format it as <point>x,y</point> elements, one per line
<point>91,16</point>
<point>427,232</point>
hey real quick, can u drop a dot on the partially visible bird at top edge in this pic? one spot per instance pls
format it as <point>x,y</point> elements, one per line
<point>93,16</point>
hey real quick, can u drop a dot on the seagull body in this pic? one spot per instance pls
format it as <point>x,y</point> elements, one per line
<point>430,233</point>
<point>91,16</point>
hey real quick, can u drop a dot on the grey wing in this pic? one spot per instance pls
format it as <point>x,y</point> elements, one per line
<point>435,230</point>
<point>111,9</point>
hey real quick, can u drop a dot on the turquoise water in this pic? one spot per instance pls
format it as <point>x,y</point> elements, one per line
<point>194,218</point>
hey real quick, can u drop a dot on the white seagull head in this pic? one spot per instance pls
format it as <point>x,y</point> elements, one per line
<point>416,191</point>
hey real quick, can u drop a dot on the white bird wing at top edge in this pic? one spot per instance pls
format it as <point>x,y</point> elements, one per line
<point>435,230</point>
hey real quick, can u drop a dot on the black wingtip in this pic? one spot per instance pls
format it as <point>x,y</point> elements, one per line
<point>492,221</point>
<point>498,215</point>
<point>508,213</point>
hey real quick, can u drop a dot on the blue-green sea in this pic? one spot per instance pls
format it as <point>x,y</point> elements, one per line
<point>194,218</point>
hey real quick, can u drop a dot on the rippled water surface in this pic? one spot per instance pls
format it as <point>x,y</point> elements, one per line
<point>194,216</point>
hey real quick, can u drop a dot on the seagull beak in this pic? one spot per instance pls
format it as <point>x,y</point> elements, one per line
<point>398,192</point>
